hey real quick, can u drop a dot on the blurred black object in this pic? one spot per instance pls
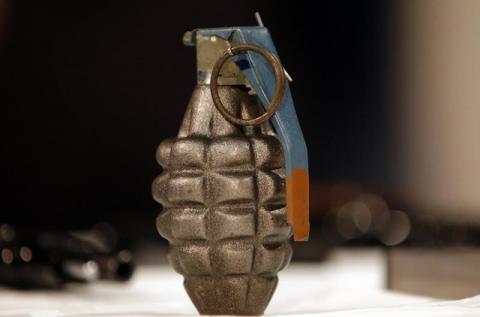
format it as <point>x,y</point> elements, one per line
<point>31,259</point>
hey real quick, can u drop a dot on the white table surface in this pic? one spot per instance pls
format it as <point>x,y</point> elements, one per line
<point>350,283</point>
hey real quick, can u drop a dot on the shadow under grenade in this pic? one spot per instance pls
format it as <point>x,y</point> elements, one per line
<point>223,186</point>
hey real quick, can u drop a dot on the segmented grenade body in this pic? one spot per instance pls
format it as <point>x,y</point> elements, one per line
<point>224,215</point>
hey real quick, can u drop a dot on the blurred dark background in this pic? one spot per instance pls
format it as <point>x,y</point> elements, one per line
<point>90,88</point>
<point>386,93</point>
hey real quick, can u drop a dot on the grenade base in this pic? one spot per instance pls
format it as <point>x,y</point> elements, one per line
<point>231,295</point>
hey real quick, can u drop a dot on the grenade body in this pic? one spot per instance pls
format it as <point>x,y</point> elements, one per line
<point>223,197</point>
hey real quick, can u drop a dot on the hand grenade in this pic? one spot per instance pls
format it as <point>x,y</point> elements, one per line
<point>223,185</point>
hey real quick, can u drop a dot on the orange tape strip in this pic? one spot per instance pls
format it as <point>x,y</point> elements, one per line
<point>298,203</point>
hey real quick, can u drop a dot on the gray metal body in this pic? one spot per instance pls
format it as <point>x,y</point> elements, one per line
<point>224,213</point>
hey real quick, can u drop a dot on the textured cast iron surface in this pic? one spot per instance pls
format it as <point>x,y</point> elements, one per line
<point>224,214</point>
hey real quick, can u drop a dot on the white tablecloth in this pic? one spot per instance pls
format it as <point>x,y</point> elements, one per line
<point>350,283</point>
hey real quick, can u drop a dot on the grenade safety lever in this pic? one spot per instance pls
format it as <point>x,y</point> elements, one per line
<point>275,96</point>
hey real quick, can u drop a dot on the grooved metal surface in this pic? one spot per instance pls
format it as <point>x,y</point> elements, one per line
<point>224,214</point>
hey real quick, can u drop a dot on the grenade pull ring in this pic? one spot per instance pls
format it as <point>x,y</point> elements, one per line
<point>279,88</point>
